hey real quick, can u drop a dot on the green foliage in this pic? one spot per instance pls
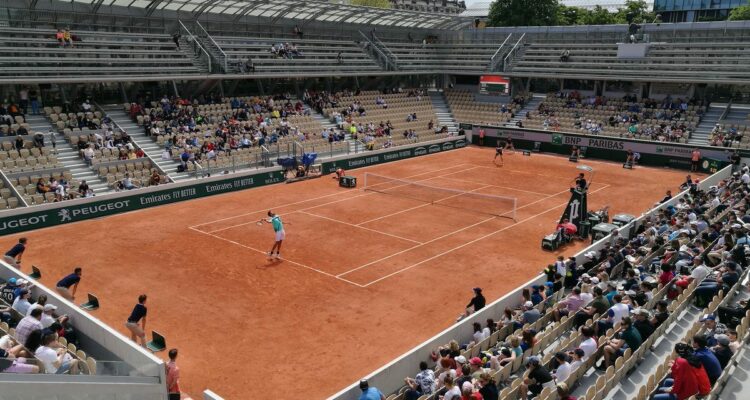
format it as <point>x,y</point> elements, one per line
<point>372,3</point>
<point>523,13</point>
<point>551,12</point>
<point>741,13</point>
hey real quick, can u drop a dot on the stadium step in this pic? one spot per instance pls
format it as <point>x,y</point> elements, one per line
<point>149,146</point>
<point>442,111</point>
<point>710,119</point>
<point>327,124</point>
<point>532,105</point>
<point>628,387</point>
<point>66,155</point>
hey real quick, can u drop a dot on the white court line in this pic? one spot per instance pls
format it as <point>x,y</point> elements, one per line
<point>498,186</point>
<point>283,259</point>
<point>423,205</point>
<point>470,242</point>
<point>313,207</point>
<point>360,227</point>
<point>446,235</point>
<point>319,197</point>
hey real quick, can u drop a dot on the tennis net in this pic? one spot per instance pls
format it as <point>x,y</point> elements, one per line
<point>499,206</point>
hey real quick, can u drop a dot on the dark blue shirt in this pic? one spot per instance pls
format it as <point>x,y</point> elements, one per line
<point>536,298</point>
<point>16,250</point>
<point>710,363</point>
<point>69,281</point>
<point>139,311</point>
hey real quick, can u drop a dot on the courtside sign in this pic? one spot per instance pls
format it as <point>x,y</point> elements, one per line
<point>114,205</point>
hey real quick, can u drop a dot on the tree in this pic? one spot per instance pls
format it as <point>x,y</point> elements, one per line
<point>741,13</point>
<point>635,11</point>
<point>570,15</point>
<point>372,3</point>
<point>523,13</point>
<point>599,16</point>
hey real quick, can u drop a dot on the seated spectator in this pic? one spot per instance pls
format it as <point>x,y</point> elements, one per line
<point>55,361</point>
<point>28,324</point>
<point>127,183</point>
<point>627,338</point>
<point>467,392</point>
<point>564,369</point>
<point>712,328</point>
<point>487,387</point>
<point>452,392</point>
<point>707,358</point>
<point>423,383</point>
<point>565,56</point>
<point>21,303</point>
<point>538,379</point>
<point>722,351</point>
<point>687,377</point>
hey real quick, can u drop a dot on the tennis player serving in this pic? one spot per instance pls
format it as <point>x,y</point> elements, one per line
<point>278,228</point>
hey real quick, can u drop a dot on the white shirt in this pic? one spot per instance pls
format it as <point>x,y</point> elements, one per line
<point>745,178</point>
<point>620,310</point>
<point>453,394</point>
<point>700,272</point>
<point>563,372</point>
<point>587,297</point>
<point>47,356</point>
<point>32,307</point>
<point>21,305</point>
<point>589,347</point>
<point>47,320</point>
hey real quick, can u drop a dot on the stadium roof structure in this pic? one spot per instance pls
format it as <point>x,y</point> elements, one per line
<point>302,10</point>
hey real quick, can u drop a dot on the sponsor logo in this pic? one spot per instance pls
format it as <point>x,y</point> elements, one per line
<point>447,146</point>
<point>460,143</point>
<point>22,222</point>
<point>557,138</point>
<point>420,151</point>
<point>433,148</point>
<point>68,214</point>
<point>64,215</point>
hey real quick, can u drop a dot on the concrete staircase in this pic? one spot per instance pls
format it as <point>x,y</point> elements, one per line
<point>738,114</point>
<point>68,156</point>
<point>710,119</point>
<point>442,111</point>
<point>530,106</point>
<point>149,146</point>
<point>328,124</point>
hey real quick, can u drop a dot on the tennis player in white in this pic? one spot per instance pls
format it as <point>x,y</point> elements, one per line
<point>278,228</point>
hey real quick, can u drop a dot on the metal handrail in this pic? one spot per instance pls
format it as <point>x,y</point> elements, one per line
<point>197,43</point>
<point>512,51</point>
<point>13,189</point>
<point>376,48</point>
<point>215,44</point>
<point>726,112</point>
<point>493,63</point>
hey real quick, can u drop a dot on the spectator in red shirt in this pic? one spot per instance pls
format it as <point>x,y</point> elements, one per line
<point>688,377</point>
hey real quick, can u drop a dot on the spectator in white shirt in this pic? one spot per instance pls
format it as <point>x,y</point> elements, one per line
<point>21,303</point>
<point>55,361</point>
<point>588,343</point>
<point>563,367</point>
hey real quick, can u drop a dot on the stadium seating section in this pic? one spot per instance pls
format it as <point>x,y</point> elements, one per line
<point>312,55</point>
<point>26,52</point>
<point>637,372</point>
<point>708,60</point>
<point>442,57</point>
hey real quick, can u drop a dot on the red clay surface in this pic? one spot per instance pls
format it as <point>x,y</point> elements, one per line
<point>365,276</point>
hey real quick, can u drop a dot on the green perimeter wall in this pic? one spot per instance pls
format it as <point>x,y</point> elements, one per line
<point>35,217</point>
<point>661,154</point>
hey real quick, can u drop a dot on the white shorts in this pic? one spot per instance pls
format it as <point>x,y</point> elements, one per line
<point>280,235</point>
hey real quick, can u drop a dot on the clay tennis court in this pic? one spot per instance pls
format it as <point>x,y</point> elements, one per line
<point>365,276</point>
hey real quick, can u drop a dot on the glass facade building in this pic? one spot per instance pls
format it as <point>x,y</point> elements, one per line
<point>695,10</point>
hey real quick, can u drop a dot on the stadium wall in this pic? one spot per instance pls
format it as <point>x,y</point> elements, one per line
<point>47,215</point>
<point>390,378</point>
<point>140,374</point>
<point>662,154</point>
